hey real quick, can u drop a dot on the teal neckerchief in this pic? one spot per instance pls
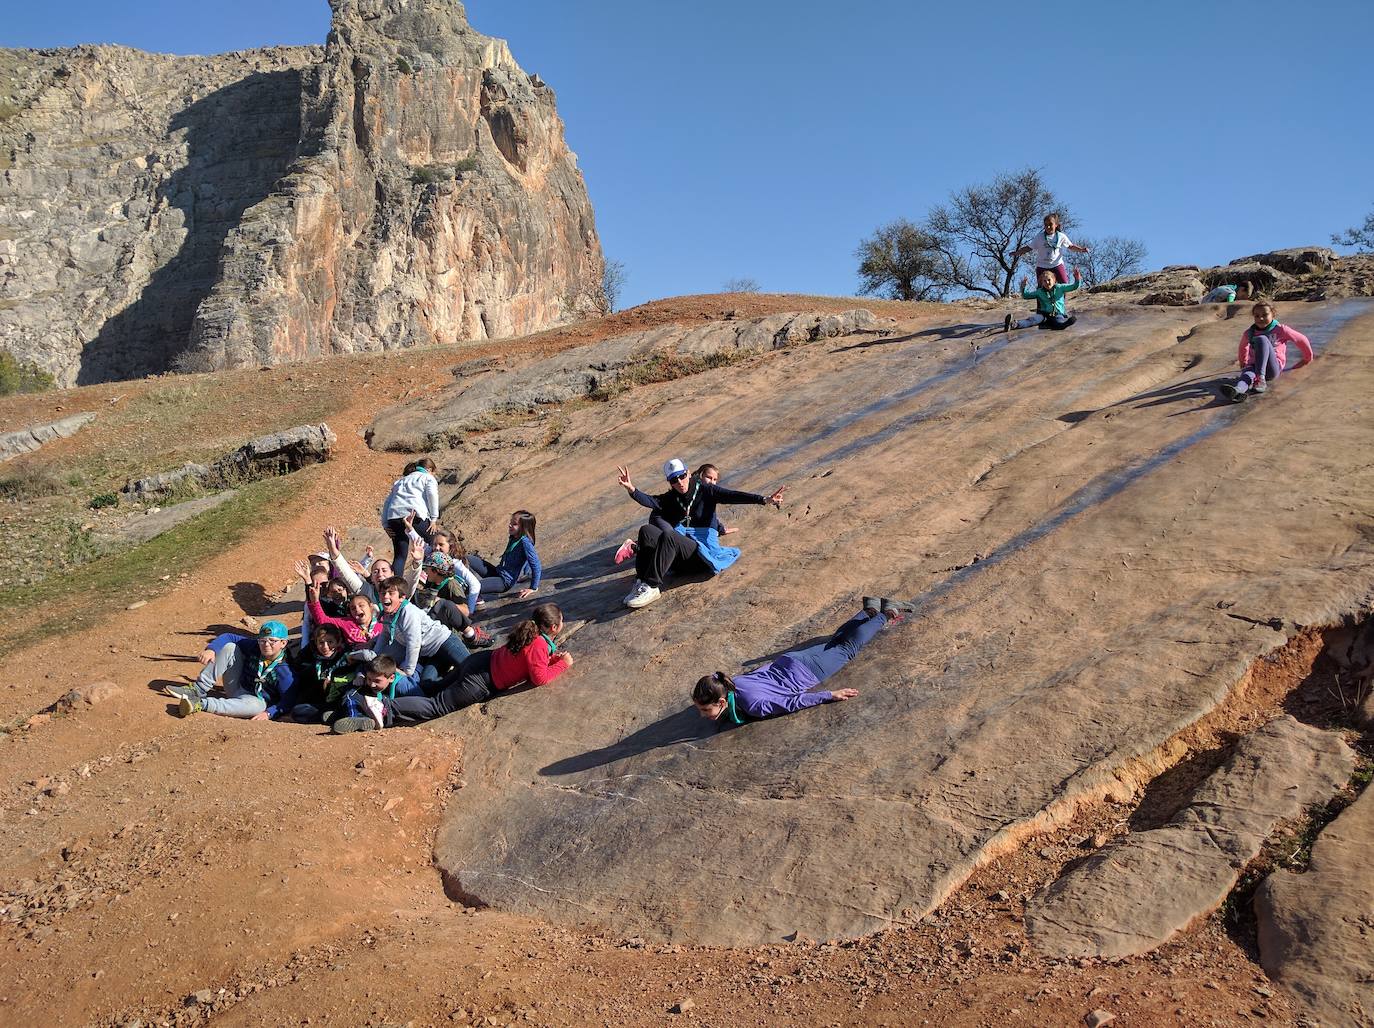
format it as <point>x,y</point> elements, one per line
<point>553,646</point>
<point>510,547</point>
<point>1267,328</point>
<point>260,680</point>
<point>391,625</point>
<point>730,713</point>
<point>391,689</point>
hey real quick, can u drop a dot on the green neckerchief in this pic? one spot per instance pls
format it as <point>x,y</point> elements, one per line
<point>730,713</point>
<point>553,646</point>
<point>261,678</point>
<point>391,689</point>
<point>685,500</point>
<point>510,547</point>
<point>1267,328</point>
<point>391,625</point>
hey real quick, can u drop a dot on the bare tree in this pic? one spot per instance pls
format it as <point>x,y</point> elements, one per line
<point>976,231</point>
<point>612,281</point>
<point>1108,258</point>
<point>901,262</point>
<point>744,284</point>
<point>1360,237</point>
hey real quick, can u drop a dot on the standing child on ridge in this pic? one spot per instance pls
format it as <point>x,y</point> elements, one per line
<point>1049,303</point>
<point>1048,249</point>
<point>1263,353</point>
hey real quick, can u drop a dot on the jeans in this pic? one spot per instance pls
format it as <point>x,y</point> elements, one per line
<point>228,668</point>
<point>825,658</point>
<point>465,685</point>
<point>448,656</point>
<point>400,540</point>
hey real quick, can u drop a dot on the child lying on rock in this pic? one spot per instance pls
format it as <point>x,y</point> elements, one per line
<point>785,685</point>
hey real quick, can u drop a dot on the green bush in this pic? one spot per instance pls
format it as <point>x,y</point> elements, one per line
<point>21,377</point>
<point>403,66</point>
<point>465,165</point>
<point>103,500</point>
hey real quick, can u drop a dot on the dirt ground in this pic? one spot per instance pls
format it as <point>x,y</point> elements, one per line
<point>165,871</point>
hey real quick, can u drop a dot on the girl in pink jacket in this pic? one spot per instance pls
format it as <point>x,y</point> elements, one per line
<point>1264,353</point>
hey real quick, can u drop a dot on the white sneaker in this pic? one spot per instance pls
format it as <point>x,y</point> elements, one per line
<point>642,595</point>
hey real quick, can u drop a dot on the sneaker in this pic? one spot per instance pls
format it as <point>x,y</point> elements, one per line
<point>1260,386</point>
<point>344,725</point>
<point>899,608</point>
<point>626,551</point>
<point>177,692</point>
<point>478,638</point>
<point>872,604</point>
<point>642,595</point>
<point>189,705</point>
<point>479,604</point>
<point>1232,393</point>
<point>1006,323</point>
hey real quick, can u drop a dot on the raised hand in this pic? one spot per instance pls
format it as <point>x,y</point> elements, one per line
<point>1025,281</point>
<point>624,478</point>
<point>776,498</point>
<point>303,569</point>
<point>331,541</point>
<point>1077,275</point>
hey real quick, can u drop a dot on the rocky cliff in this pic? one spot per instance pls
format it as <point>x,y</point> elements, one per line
<point>408,184</point>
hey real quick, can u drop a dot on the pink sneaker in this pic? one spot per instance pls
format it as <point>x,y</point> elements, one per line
<point>626,551</point>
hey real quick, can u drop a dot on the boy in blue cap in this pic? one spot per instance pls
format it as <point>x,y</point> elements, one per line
<point>256,678</point>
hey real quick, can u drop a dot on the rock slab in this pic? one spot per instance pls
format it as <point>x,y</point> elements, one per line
<point>26,440</point>
<point>1316,930</point>
<point>274,454</point>
<point>1133,895</point>
<point>600,368</point>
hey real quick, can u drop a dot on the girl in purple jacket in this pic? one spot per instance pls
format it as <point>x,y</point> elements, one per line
<point>785,685</point>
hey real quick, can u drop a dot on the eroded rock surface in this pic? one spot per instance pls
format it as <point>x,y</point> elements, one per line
<point>34,437</point>
<point>1298,273</point>
<point>408,184</point>
<point>1315,928</point>
<point>600,368</point>
<point>274,454</point>
<point>1098,547</point>
<point>1133,895</point>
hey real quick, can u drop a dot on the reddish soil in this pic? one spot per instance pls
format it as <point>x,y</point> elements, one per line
<point>165,871</point>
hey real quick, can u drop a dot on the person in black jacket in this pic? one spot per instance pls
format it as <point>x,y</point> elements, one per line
<point>661,549</point>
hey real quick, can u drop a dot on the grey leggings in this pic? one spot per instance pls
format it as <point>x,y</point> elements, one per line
<point>1264,363</point>
<point>229,668</point>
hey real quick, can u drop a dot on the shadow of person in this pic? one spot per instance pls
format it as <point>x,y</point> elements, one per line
<point>253,599</point>
<point>681,726</point>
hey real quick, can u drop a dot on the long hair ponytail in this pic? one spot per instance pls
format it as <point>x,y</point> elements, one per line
<point>527,522</point>
<point>544,618</point>
<point>712,688</point>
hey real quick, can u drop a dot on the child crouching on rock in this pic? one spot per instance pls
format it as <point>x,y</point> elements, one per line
<point>1263,353</point>
<point>1049,303</point>
<point>258,682</point>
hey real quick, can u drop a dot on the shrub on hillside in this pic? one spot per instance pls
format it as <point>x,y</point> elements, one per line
<point>21,376</point>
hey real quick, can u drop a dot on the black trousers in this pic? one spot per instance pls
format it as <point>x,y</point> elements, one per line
<point>664,551</point>
<point>465,685</point>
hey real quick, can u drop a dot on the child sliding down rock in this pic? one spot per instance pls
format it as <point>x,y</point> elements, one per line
<point>1049,303</point>
<point>1263,353</point>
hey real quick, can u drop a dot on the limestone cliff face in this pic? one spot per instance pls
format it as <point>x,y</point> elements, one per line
<point>410,185</point>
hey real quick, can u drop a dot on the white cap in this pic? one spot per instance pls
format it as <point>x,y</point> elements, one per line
<point>674,467</point>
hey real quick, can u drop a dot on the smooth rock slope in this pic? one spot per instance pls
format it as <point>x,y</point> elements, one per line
<point>1098,545</point>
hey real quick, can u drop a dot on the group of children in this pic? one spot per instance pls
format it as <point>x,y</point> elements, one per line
<point>1263,353</point>
<point>395,641</point>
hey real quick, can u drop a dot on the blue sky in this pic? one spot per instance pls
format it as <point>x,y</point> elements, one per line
<point>765,139</point>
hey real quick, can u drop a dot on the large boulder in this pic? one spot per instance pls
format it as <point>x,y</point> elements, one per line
<point>278,453</point>
<point>26,440</point>
<point>407,184</point>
